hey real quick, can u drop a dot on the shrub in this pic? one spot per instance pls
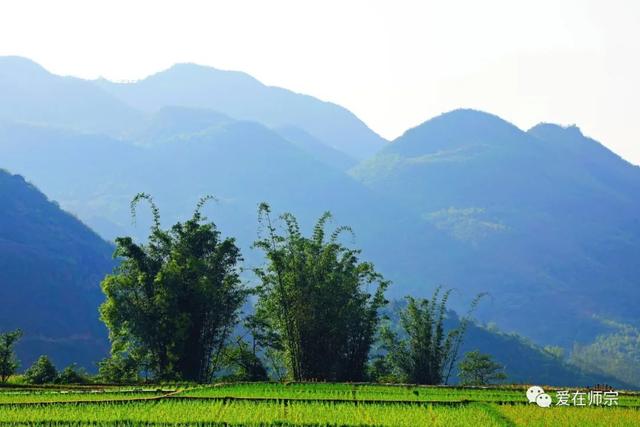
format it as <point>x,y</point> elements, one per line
<point>119,369</point>
<point>41,372</point>
<point>479,369</point>
<point>72,374</point>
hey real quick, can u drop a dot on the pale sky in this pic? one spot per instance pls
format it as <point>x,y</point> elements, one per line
<point>394,64</point>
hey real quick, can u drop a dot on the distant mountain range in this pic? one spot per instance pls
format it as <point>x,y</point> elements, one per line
<point>545,220</point>
<point>245,98</point>
<point>549,216</point>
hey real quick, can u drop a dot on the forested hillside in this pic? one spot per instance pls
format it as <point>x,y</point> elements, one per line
<point>549,216</point>
<point>50,269</point>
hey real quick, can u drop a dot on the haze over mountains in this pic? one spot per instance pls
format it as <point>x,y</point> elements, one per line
<point>243,97</point>
<point>545,220</point>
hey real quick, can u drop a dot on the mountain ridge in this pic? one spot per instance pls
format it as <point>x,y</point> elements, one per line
<point>50,268</point>
<point>244,97</point>
<point>536,214</point>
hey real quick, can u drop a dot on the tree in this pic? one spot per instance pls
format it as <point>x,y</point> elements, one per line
<point>479,369</point>
<point>41,372</point>
<point>380,370</point>
<point>314,295</point>
<point>72,374</point>
<point>266,341</point>
<point>8,360</point>
<point>423,353</point>
<point>245,362</point>
<point>119,369</point>
<point>172,303</point>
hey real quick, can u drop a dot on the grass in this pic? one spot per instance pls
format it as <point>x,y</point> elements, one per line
<point>311,404</point>
<point>75,396</point>
<point>250,414</point>
<point>322,391</point>
<point>572,416</point>
<point>328,391</point>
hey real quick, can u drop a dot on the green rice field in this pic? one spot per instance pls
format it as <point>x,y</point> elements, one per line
<point>303,404</point>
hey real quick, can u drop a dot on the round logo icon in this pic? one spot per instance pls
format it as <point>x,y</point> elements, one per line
<point>533,392</point>
<point>543,400</point>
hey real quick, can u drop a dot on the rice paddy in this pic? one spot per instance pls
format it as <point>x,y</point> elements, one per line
<point>302,404</point>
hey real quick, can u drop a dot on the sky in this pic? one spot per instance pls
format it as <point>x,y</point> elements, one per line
<point>395,64</point>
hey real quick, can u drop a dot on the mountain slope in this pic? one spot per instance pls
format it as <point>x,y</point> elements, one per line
<point>31,94</point>
<point>318,150</point>
<point>243,97</point>
<point>550,218</point>
<point>241,163</point>
<point>50,268</point>
<point>523,361</point>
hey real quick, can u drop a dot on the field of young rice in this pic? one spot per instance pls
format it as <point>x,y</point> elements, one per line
<point>75,396</point>
<point>249,414</point>
<point>374,392</point>
<point>317,404</point>
<point>357,392</point>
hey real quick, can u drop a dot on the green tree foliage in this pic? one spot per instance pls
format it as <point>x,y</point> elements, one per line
<point>119,369</point>
<point>267,341</point>
<point>41,372</point>
<point>479,369</point>
<point>72,374</point>
<point>380,370</point>
<point>245,362</point>
<point>8,361</point>
<point>423,352</point>
<point>319,299</point>
<point>172,303</point>
<point>245,358</point>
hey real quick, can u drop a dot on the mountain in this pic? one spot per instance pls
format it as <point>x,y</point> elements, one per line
<point>523,361</point>
<point>527,363</point>
<point>545,220</point>
<point>180,122</point>
<point>549,216</point>
<point>241,96</point>
<point>83,172</point>
<point>30,94</point>
<point>240,163</point>
<point>317,149</point>
<point>176,122</point>
<point>50,268</point>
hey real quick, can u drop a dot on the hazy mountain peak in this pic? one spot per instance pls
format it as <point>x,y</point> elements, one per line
<point>20,65</point>
<point>190,73</point>
<point>469,120</point>
<point>470,113</point>
<point>572,142</point>
<point>31,94</point>
<point>455,129</point>
<point>555,131</point>
<point>243,97</point>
